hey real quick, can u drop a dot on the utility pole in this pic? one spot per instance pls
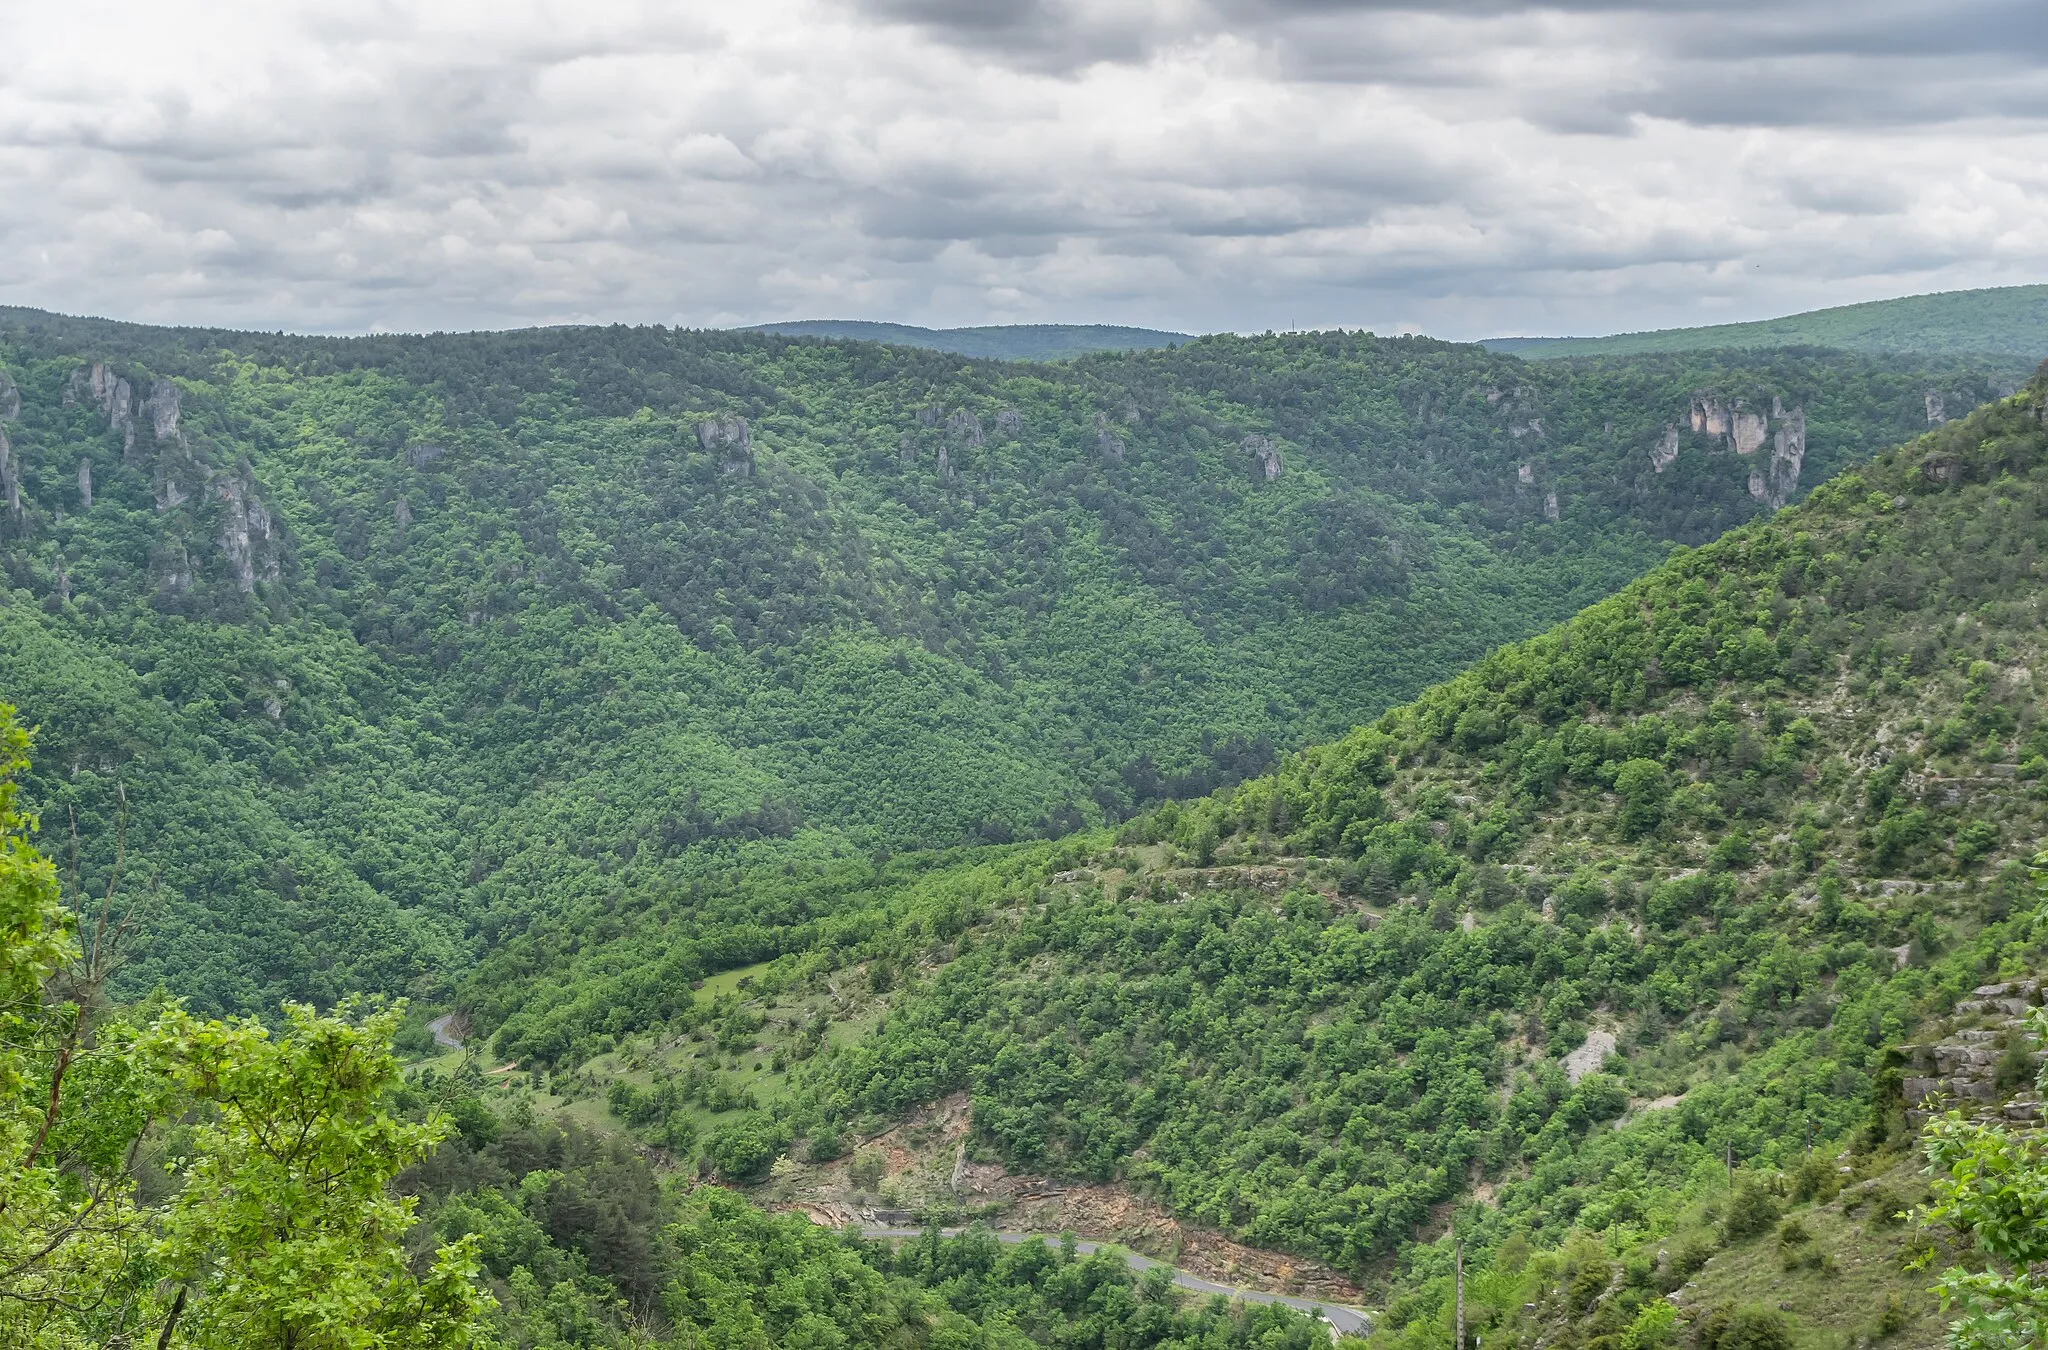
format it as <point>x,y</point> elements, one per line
<point>1459,1258</point>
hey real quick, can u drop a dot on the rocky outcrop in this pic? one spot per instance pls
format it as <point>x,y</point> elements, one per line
<point>163,407</point>
<point>248,539</point>
<point>1748,432</point>
<point>1265,452</point>
<point>98,386</point>
<point>1526,475</point>
<point>1960,1071</point>
<point>1550,506</point>
<point>1665,452</point>
<point>84,484</point>
<point>945,466</point>
<point>1774,483</point>
<point>1010,422</point>
<point>10,475</point>
<point>1937,408</point>
<point>422,453</point>
<point>965,427</point>
<point>172,566</point>
<point>906,449</point>
<point>1710,415</point>
<point>1106,440</point>
<point>732,441</point>
<point>10,398</point>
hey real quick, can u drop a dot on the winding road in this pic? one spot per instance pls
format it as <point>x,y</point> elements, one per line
<point>1342,1320</point>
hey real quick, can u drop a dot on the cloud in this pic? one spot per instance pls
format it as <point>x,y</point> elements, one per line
<point>1464,168</point>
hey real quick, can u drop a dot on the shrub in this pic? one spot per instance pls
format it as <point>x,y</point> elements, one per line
<point>1752,1211</point>
<point>1749,1327</point>
<point>742,1151</point>
<point>866,1168</point>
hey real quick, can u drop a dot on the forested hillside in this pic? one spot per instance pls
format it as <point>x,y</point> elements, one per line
<point>378,654</point>
<point>2007,320</point>
<point>1000,342</point>
<point>1624,914</point>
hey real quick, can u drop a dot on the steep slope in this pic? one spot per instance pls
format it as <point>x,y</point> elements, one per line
<point>1690,863</point>
<point>2008,320</point>
<point>404,649</point>
<point>998,342</point>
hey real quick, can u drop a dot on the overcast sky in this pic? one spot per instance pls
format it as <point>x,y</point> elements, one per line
<point>1465,169</point>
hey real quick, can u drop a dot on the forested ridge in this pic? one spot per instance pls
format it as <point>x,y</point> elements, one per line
<point>393,651</point>
<point>2012,320</point>
<point>759,744</point>
<point>1741,829</point>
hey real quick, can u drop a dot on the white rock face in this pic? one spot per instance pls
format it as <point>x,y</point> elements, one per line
<point>1550,506</point>
<point>1589,1056</point>
<point>1262,449</point>
<point>1010,422</point>
<point>1665,452</point>
<point>1774,483</point>
<point>246,536</point>
<point>10,398</point>
<point>1526,475</point>
<point>1709,415</point>
<point>1107,441</point>
<point>85,483</point>
<point>734,439</point>
<point>1937,408</point>
<point>966,426</point>
<point>163,407</point>
<point>1749,432</point>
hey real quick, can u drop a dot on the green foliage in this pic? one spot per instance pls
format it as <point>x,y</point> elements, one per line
<point>1991,1184</point>
<point>1000,342</point>
<point>1748,1327</point>
<point>1751,1212</point>
<point>406,650</point>
<point>280,1230</point>
<point>1316,1006</point>
<point>2007,319</point>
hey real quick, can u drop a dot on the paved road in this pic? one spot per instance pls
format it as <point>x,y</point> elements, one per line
<point>1340,1318</point>
<point>442,1036</point>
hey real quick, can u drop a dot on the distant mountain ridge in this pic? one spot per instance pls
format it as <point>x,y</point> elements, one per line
<point>2006,320</point>
<point>1000,342</point>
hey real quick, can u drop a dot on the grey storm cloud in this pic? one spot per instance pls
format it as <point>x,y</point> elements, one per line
<point>1461,168</point>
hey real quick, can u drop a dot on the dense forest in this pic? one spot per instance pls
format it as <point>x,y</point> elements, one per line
<point>1621,909</point>
<point>1001,342</point>
<point>880,784</point>
<point>380,653</point>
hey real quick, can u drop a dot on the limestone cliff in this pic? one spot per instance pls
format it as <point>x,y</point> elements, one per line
<point>1106,440</point>
<point>1262,449</point>
<point>732,440</point>
<point>1774,483</point>
<point>1665,452</point>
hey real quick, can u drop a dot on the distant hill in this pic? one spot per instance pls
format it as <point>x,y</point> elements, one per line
<point>2008,321</point>
<point>1001,342</point>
